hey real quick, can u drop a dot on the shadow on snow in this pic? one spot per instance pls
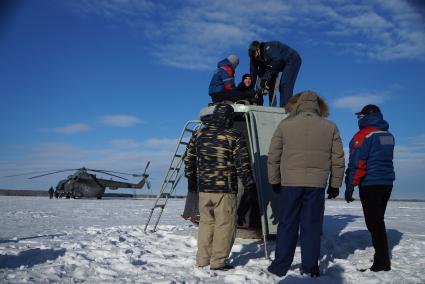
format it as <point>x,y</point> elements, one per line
<point>15,240</point>
<point>30,257</point>
<point>249,251</point>
<point>335,245</point>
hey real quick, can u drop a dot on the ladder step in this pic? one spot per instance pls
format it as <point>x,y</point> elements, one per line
<point>170,177</point>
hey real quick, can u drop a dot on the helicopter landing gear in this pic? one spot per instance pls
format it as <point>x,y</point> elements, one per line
<point>77,195</point>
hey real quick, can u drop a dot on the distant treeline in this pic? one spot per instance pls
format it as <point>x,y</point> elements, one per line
<point>391,199</point>
<point>24,192</point>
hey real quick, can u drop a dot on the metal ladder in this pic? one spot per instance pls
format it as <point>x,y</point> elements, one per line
<point>172,177</point>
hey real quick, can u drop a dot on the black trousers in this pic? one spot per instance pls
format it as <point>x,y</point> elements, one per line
<point>374,200</point>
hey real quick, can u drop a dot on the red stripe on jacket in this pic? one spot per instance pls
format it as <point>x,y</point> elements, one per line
<point>360,172</point>
<point>361,166</point>
<point>228,70</point>
<point>228,87</point>
<point>230,73</point>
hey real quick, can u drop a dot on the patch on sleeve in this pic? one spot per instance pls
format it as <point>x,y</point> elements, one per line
<point>386,140</point>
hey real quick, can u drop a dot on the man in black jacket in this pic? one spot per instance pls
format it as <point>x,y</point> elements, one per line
<point>270,58</point>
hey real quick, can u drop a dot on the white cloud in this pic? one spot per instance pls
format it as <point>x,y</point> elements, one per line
<point>120,120</point>
<point>70,128</point>
<point>356,102</point>
<point>420,141</point>
<point>195,34</point>
<point>115,8</point>
<point>153,143</point>
<point>409,162</point>
<point>126,143</point>
<point>162,143</point>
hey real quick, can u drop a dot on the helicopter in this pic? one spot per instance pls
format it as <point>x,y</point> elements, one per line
<point>84,183</point>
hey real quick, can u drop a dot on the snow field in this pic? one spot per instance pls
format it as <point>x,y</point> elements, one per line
<point>102,241</point>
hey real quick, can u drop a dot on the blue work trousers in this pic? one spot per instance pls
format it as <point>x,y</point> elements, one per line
<point>287,80</point>
<point>301,209</point>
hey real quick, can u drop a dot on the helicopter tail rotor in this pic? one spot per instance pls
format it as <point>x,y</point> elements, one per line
<point>146,168</point>
<point>144,172</point>
<point>144,177</point>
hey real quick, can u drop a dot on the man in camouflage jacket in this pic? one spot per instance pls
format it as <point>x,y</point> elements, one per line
<point>215,157</point>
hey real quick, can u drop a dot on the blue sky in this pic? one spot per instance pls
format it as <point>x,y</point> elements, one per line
<point>109,84</point>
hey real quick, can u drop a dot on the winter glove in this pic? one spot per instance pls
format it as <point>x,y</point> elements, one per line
<point>191,185</point>
<point>264,85</point>
<point>332,192</point>
<point>349,193</point>
<point>276,188</point>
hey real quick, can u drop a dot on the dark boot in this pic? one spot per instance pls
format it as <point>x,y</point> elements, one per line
<point>224,268</point>
<point>377,267</point>
<point>275,272</point>
<point>313,273</point>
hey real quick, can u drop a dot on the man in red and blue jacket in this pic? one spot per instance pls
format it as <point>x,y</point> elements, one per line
<point>371,168</point>
<point>222,85</point>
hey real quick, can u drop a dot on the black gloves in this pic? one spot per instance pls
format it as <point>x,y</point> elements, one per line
<point>332,192</point>
<point>262,84</point>
<point>276,188</point>
<point>191,185</point>
<point>349,193</point>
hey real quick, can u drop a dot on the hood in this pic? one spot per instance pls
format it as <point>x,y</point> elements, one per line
<point>222,117</point>
<point>245,76</point>
<point>225,62</point>
<point>307,101</point>
<point>373,120</point>
<point>206,119</point>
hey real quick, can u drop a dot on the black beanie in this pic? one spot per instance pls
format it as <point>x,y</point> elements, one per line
<point>246,75</point>
<point>252,48</point>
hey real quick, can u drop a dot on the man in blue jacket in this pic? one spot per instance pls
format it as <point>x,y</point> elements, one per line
<point>371,168</point>
<point>270,58</point>
<point>222,85</point>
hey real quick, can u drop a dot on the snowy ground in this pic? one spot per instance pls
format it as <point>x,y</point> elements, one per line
<point>102,241</point>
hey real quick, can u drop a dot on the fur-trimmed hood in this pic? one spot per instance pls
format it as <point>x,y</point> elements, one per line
<point>307,144</point>
<point>307,101</point>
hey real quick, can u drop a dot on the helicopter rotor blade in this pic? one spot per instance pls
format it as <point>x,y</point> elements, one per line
<point>121,173</point>
<point>146,168</point>
<point>28,173</point>
<point>106,173</point>
<point>51,173</point>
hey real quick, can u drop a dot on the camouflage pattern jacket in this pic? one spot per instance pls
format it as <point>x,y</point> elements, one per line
<point>217,155</point>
